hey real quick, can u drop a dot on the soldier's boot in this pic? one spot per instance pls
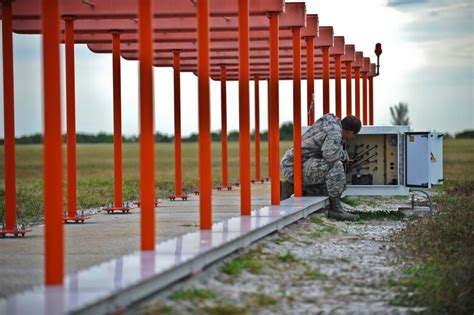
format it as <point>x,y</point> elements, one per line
<point>286,190</point>
<point>336,211</point>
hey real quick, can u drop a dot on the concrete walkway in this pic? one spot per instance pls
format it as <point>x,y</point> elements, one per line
<point>116,283</point>
<point>107,236</point>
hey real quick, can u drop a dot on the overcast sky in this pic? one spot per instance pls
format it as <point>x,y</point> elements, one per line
<point>427,61</point>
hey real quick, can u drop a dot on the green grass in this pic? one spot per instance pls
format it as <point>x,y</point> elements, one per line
<point>288,258</point>
<point>193,294</point>
<point>317,220</point>
<point>440,249</point>
<point>246,262</point>
<point>281,239</point>
<point>352,201</point>
<point>95,173</point>
<point>159,310</point>
<point>314,275</point>
<point>224,309</point>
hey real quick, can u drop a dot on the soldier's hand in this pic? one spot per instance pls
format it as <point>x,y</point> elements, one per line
<point>345,162</point>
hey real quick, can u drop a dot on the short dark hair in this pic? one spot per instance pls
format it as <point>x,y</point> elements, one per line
<point>351,123</point>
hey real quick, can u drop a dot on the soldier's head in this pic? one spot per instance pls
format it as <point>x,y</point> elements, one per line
<point>350,127</point>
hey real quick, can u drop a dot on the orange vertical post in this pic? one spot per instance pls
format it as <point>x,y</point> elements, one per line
<point>298,166</point>
<point>337,62</point>
<point>371,101</point>
<point>147,154</point>
<point>310,78</point>
<point>225,171</point>
<point>177,123</point>
<point>269,112</point>
<point>71,119</point>
<point>117,92</point>
<point>205,175</point>
<point>364,98</point>
<point>274,116</point>
<point>325,80</point>
<point>244,108</point>
<point>53,162</point>
<point>258,175</point>
<point>357,91</point>
<point>348,88</point>
<point>8,116</point>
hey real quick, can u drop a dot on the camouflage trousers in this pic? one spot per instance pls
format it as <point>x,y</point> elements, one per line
<point>320,178</point>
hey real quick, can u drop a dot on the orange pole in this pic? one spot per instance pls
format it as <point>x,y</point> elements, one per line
<point>117,119</point>
<point>325,80</point>
<point>357,91</point>
<point>298,166</point>
<point>177,123</point>
<point>225,172</point>
<point>337,61</point>
<point>364,97</point>
<point>269,114</point>
<point>52,148</point>
<point>274,118</point>
<point>348,88</point>
<point>244,108</point>
<point>71,119</point>
<point>147,154</point>
<point>205,174</point>
<point>371,101</point>
<point>257,130</point>
<point>8,116</point>
<point>310,79</point>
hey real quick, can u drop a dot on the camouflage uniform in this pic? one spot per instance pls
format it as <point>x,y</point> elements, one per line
<point>322,153</point>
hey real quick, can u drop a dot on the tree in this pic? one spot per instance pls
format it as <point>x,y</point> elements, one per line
<point>399,114</point>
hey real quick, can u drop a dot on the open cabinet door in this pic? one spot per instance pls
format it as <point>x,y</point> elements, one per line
<point>436,158</point>
<point>417,159</point>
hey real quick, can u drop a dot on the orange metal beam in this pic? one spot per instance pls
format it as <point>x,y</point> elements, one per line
<point>337,60</point>
<point>258,175</point>
<point>325,80</point>
<point>147,153</point>
<point>117,92</point>
<point>177,124</point>
<point>371,100</point>
<point>8,116</point>
<point>205,173</point>
<point>357,92</point>
<point>348,65</point>
<point>365,71</point>
<point>71,119</point>
<point>310,80</point>
<point>225,176</point>
<point>298,164</point>
<point>274,132</point>
<point>244,108</point>
<point>364,98</point>
<point>53,162</point>
<point>269,139</point>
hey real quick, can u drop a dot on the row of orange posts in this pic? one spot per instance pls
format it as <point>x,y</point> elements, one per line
<point>236,40</point>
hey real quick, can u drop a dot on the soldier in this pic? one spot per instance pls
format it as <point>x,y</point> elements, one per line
<point>323,156</point>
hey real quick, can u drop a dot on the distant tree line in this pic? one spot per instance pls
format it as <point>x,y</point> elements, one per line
<point>286,133</point>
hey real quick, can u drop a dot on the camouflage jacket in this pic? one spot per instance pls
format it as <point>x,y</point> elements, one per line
<point>322,140</point>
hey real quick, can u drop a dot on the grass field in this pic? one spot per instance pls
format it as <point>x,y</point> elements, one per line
<point>440,249</point>
<point>95,173</point>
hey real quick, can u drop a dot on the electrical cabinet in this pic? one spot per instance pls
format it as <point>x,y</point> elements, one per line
<point>389,160</point>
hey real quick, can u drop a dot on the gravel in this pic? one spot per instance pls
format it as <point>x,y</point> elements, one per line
<point>315,266</point>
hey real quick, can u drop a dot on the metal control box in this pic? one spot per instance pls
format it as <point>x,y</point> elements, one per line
<point>388,160</point>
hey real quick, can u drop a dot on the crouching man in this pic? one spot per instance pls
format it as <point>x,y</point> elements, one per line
<point>323,157</point>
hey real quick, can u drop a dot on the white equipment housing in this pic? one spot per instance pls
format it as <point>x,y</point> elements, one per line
<point>389,160</point>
